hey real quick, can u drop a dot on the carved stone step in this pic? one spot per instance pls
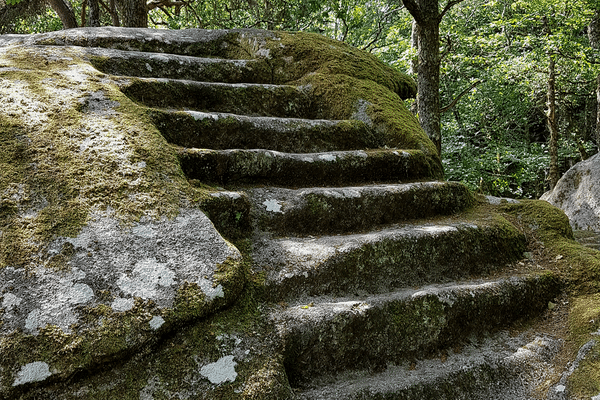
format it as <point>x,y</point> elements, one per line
<point>173,66</point>
<point>500,367</point>
<point>309,169</point>
<point>222,131</point>
<point>338,210</point>
<point>325,336</point>
<point>203,42</point>
<point>237,98</point>
<point>379,261</point>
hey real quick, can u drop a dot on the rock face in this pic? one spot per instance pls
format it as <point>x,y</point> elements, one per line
<point>243,214</point>
<point>577,193</point>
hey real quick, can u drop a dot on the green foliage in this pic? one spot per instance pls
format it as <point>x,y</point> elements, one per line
<point>495,137</point>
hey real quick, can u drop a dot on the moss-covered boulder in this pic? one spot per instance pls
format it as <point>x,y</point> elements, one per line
<point>102,251</point>
<point>577,193</point>
<point>127,156</point>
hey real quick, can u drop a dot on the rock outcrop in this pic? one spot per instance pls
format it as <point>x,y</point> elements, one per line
<point>245,214</point>
<point>577,193</point>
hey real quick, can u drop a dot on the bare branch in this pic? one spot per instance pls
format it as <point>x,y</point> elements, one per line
<point>448,7</point>
<point>189,7</point>
<point>457,98</point>
<point>414,9</point>
<point>448,49</point>
<point>380,28</point>
<point>575,58</point>
<point>164,3</point>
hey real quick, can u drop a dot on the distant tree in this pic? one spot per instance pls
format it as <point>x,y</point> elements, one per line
<point>594,37</point>
<point>65,12</point>
<point>134,13</point>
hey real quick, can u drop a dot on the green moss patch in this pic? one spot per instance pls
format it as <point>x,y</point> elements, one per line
<point>342,97</point>
<point>296,54</point>
<point>584,321</point>
<point>579,265</point>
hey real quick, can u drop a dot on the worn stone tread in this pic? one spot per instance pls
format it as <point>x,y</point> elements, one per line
<point>498,367</point>
<point>354,208</point>
<point>172,66</point>
<point>329,335</point>
<point>221,131</point>
<point>335,168</point>
<point>390,257</point>
<point>193,42</point>
<point>237,98</point>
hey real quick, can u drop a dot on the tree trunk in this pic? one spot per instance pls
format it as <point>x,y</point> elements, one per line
<point>428,81</point>
<point>134,13</point>
<point>414,62</point>
<point>594,36</point>
<point>113,13</point>
<point>597,130</point>
<point>65,13</point>
<point>428,17</point>
<point>414,43</point>
<point>553,175</point>
<point>94,13</point>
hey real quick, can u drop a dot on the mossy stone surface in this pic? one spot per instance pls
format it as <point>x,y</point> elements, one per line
<point>115,284</point>
<point>101,252</point>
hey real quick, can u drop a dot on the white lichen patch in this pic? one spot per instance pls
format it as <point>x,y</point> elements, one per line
<point>221,371</point>
<point>9,301</point>
<point>33,372</point>
<point>147,277</point>
<point>121,305</point>
<point>210,291</point>
<point>56,302</point>
<point>273,205</point>
<point>156,322</point>
<point>437,229</point>
<point>143,231</point>
<point>18,101</point>
<point>198,115</point>
<point>328,157</point>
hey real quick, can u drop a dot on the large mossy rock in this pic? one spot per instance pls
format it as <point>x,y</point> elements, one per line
<point>104,249</point>
<point>577,193</point>
<point>244,214</point>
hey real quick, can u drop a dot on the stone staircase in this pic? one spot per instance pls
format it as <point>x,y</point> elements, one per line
<point>378,280</point>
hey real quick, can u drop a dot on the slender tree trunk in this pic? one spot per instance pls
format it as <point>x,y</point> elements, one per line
<point>113,13</point>
<point>428,81</point>
<point>597,128</point>
<point>553,175</point>
<point>134,13</point>
<point>65,13</point>
<point>414,62</point>
<point>94,13</point>
<point>414,43</point>
<point>594,36</point>
<point>428,17</point>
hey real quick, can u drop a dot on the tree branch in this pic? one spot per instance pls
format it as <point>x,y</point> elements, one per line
<point>457,98</point>
<point>448,48</point>
<point>575,58</point>
<point>414,9</point>
<point>163,3</point>
<point>448,7</point>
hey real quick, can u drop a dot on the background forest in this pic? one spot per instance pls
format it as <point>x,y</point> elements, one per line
<point>497,60</point>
